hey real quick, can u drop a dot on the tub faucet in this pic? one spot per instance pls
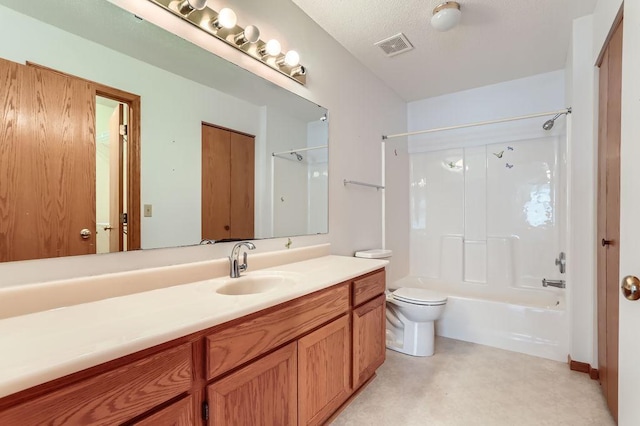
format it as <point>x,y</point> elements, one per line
<point>235,268</point>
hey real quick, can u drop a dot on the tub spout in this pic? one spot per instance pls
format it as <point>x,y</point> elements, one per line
<point>553,283</point>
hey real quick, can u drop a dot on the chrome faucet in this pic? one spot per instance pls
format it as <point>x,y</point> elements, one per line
<point>235,268</point>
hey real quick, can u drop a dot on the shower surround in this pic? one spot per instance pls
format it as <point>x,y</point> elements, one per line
<point>487,222</point>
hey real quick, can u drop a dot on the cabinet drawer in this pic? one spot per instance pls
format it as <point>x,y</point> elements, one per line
<point>177,414</point>
<point>239,343</point>
<point>368,287</point>
<point>111,397</point>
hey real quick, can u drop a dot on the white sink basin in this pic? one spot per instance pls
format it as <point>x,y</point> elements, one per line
<point>257,282</point>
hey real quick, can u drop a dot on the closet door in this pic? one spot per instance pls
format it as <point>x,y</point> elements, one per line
<point>242,185</point>
<point>609,217</point>
<point>216,181</point>
<point>227,184</point>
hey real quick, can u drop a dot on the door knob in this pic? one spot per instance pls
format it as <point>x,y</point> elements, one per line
<point>631,287</point>
<point>606,242</point>
<point>85,234</point>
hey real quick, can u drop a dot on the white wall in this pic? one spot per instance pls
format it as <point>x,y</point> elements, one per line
<point>361,110</point>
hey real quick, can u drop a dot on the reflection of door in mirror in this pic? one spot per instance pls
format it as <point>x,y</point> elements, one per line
<point>47,156</point>
<point>228,159</point>
<point>49,162</point>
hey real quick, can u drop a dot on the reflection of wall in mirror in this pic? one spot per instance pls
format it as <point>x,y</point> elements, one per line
<point>318,177</point>
<point>298,186</point>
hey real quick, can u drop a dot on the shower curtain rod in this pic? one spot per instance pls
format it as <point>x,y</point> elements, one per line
<point>299,150</point>
<point>481,123</point>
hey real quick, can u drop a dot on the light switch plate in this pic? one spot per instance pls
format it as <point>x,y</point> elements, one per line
<point>148,210</point>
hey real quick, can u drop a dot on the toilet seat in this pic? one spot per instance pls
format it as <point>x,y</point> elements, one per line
<point>419,296</point>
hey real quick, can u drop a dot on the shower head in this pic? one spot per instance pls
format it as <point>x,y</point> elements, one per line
<point>298,156</point>
<point>548,125</point>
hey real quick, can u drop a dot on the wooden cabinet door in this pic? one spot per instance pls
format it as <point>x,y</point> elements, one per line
<point>323,371</point>
<point>262,393</point>
<point>369,325</point>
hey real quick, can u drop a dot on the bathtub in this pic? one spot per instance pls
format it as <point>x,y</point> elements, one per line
<point>528,321</point>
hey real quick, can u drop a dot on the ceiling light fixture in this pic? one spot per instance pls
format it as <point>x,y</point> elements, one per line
<point>223,26</point>
<point>446,16</point>
<point>187,6</point>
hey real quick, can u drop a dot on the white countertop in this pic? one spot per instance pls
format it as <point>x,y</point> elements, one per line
<point>43,346</point>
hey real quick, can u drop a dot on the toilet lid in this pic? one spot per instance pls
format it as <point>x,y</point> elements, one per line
<point>419,296</point>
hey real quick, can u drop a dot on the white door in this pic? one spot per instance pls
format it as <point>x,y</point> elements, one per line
<point>629,343</point>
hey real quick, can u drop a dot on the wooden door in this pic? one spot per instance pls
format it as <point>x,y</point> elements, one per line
<point>227,184</point>
<point>369,328</point>
<point>610,93</point>
<point>47,164</point>
<point>262,393</point>
<point>242,186</point>
<point>116,180</point>
<point>323,371</point>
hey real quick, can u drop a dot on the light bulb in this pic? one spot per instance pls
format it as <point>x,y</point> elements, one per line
<point>252,34</point>
<point>187,6</point>
<point>273,47</point>
<point>292,58</point>
<point>227,18</point>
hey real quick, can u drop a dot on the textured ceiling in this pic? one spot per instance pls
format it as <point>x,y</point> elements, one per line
<point>497,40</point>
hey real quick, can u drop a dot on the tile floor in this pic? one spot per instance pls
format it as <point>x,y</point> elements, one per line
<point>468,384</point>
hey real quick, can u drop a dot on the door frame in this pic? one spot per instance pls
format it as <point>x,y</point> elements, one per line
<point>133,151</point>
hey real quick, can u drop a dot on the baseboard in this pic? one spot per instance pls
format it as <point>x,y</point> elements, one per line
<point>583,367</point>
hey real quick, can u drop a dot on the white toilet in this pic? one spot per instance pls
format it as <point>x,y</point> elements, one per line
<point>411,314</point>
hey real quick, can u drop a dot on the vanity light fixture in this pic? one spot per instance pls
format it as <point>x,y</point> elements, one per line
<point>299,70</point>
<point>187,6</point>
<point>251,34</point>
<point>271,48</point>
<point>290,59</point>
<point>226,19</point>
<point>223,25</point>
<point>446,16</point>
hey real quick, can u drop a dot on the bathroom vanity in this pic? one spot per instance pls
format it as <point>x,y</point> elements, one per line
<point>293,362</point>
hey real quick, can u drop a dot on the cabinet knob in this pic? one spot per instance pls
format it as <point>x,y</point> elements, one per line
<point>606,242</point>
<point>227,227</point>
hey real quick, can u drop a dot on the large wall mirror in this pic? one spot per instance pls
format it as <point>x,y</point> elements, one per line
<point>192,106</point>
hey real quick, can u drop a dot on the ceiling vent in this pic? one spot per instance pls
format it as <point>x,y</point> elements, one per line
<point>395,45</point>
